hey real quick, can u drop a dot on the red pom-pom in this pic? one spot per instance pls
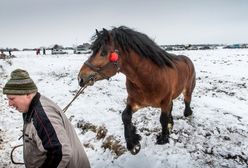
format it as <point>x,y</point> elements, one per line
<point>113,57</point>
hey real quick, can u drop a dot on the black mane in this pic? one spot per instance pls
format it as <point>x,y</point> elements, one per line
<point>128,39</point>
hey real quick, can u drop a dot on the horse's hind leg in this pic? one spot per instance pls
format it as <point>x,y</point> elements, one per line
<point>166,120</point>
<point>187,111</point>
<point>132,139</point>
<point>187,98</point>
<point>171,122</point>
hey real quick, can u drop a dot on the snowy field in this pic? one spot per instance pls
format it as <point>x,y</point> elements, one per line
<point>215,136</point>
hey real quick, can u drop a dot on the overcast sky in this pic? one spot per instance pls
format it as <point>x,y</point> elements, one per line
<point>36,23</point>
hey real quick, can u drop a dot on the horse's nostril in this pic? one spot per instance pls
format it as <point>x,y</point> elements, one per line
<point>81,82</point>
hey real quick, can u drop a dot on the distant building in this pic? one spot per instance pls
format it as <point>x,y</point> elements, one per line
<point>82,49</point>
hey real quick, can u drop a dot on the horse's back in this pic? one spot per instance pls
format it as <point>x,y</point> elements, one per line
<point>184,63</point>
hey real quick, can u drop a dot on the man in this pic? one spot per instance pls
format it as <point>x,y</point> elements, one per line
<point>49,138</point>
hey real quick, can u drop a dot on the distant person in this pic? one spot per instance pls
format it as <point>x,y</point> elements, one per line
<point>10,53</point>
<point>44,51</point>
<point>37,51</point>
<point>49,139</point>
<point>2,55</point>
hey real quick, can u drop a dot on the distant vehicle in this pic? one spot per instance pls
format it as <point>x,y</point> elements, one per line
<point>58,51</point>
<point>81,50</point>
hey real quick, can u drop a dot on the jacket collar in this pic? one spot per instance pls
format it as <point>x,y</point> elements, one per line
<point>29,115</point>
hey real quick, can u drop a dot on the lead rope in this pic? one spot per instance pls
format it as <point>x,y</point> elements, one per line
<point>74,98</point>
<point>64,110</point>
<point>11,155</point>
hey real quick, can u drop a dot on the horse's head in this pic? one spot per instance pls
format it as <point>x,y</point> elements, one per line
<point>103,63</point>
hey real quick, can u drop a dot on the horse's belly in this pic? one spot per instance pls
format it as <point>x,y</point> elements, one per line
<point>139,105</point>
<point>148,101</point>
<point>177,93</point>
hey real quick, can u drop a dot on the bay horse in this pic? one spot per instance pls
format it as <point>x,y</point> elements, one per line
<point>153,76</point>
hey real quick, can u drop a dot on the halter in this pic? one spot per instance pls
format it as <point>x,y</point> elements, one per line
<point>99,70</point>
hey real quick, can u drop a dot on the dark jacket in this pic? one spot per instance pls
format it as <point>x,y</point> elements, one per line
<point>49,138</point>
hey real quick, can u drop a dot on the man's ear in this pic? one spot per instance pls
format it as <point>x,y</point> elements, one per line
<point>30,96</point>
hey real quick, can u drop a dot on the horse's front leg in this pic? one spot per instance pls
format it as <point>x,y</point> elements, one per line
<point>132,139</point>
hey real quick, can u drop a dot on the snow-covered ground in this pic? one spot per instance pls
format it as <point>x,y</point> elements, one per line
<point>216,135</point>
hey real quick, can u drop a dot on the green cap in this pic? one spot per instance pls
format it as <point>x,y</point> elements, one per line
<point>19,84</point>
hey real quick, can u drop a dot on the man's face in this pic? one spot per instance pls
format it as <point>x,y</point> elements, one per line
<point>19,102</point>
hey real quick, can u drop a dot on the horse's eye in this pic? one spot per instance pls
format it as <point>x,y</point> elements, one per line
<point>104,53</point>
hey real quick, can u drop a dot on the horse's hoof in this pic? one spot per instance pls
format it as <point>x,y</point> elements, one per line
<point>135,149</point>
<point>162,139</point>
<point>188,113</point>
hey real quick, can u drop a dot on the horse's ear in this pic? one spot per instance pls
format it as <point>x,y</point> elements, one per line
<point>97,33</point>
<point>106,33</point>
<point>104,30</point>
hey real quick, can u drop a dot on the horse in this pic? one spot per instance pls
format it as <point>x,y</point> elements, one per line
<point>154,77</point>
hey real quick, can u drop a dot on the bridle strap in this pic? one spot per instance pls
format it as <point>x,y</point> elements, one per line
<point>93,67</point>
<point>99,70</point>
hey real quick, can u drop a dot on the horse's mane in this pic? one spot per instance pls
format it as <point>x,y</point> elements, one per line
<point>128,39</point>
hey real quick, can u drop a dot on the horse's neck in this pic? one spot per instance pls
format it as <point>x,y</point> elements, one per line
<point>129,64</point>
<point>137,70</point>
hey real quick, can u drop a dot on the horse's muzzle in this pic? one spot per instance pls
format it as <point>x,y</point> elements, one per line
<point>90,80</point>
<point>81,82</point>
